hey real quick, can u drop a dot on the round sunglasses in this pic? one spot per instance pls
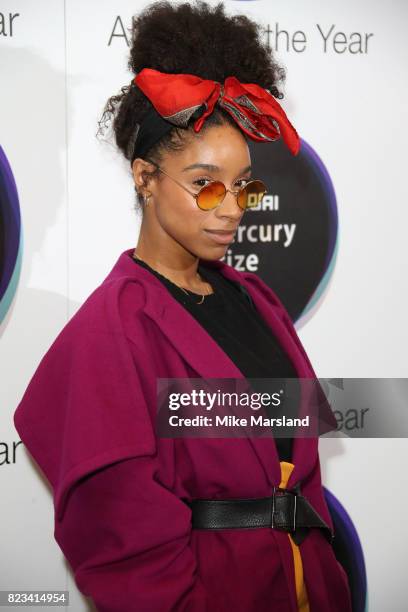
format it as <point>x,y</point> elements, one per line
<point>210,196</point>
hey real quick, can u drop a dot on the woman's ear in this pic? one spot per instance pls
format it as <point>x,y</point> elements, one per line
<point>141,170</point>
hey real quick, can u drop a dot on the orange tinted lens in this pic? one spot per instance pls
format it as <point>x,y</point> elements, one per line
<point>251,195</point>
<point>211,195</point>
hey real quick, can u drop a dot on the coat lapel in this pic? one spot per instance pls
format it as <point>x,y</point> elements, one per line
<point>304,449</point>
<point>210,361</point>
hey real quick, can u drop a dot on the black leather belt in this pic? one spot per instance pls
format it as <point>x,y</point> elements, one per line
<point>285,509</point>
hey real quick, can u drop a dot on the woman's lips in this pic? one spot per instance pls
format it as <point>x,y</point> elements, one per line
<point>221,236</point>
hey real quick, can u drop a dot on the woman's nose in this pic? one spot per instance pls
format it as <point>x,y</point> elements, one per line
<point>229,205</point>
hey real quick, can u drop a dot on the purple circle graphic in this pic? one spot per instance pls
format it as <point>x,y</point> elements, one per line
<point>349,552</point>
<point>290,239</point>
<point>10,232</point>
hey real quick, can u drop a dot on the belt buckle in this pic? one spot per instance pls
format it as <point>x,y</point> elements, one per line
<point>295,493</point>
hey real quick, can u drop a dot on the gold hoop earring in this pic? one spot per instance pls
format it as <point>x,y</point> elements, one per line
<point>146,200</point>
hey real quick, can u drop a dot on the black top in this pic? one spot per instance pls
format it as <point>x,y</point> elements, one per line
<point>230,317</point>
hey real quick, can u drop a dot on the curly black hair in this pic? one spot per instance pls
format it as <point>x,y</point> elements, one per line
<point>192,37</point>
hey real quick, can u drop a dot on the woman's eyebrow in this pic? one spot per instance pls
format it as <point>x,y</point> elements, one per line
<point>213,168</point>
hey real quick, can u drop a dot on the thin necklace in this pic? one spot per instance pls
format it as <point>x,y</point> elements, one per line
<point>179,286</point>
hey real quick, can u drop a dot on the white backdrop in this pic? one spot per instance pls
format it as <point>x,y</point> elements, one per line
<point>58,65</point>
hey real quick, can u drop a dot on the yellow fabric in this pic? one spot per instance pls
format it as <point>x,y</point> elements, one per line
<point>302,600</point>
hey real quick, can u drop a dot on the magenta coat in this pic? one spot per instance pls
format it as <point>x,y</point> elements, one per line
<point>87,418</point>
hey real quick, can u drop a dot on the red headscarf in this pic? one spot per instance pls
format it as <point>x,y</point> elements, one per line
<point>177,96</point>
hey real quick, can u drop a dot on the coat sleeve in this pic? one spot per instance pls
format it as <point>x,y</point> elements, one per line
<point>127,539</point>
<point>84,420</point>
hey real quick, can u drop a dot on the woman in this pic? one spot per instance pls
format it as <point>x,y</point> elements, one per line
<point>128,515</point>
